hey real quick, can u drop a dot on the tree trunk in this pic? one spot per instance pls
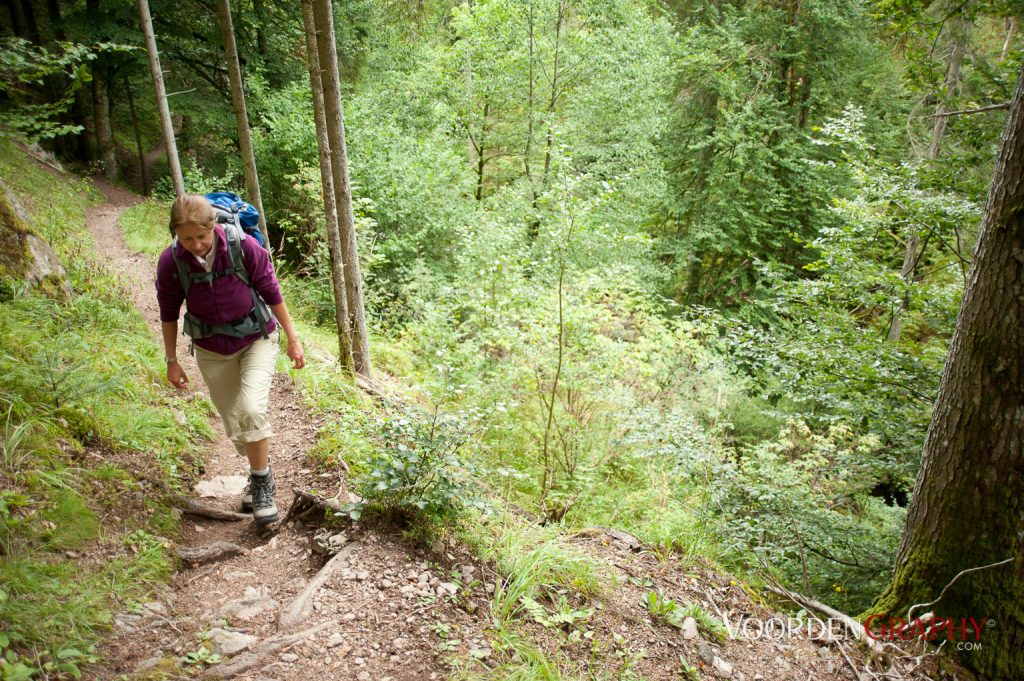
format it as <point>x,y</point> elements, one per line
<point>161,97</point>
<point>968,505</point>
<point>958,28</point>
<point>327,54</point>
<point>31,24</point>
<point>143,171</point>
<point>19,23</point>
<point>327,181</point>
<point>105,149</point>
<point>261,28</point>
<point>252,179</point>
<point>549,137</point>
<point>1012,24</point>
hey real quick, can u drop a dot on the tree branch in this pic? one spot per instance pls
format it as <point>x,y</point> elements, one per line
<point>910,612</point>
<point>967,112</point>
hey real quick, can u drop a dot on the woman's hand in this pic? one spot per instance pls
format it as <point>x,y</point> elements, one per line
<point>295,353</point>
<point>176,375</point>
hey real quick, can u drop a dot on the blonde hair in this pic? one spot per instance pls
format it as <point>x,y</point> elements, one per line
<point>192,209</point>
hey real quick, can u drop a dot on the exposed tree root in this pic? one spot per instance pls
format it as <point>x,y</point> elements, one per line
<point>301,607</point>
<point>199,555</point>
<point>246,661</point>
<point>191,507</point>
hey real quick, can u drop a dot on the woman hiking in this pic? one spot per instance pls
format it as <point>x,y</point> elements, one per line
<point>227,283</point>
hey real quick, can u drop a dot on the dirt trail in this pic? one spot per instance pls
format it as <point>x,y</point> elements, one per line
<point>370,627</point>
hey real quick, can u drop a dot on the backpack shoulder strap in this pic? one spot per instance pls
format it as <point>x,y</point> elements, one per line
<point>235,236</point>
<point>184,273</point>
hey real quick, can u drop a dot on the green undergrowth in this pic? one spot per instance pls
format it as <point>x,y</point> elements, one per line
<point>144,226</point>
<point>93,447</point>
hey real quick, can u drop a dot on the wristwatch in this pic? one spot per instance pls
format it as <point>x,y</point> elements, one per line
<point>170,360</point>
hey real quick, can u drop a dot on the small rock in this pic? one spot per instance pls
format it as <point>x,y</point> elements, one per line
<point>127,622</point>
<point>348,617</point>
<point>705,653</point>
<point>359,661</point>
<point>689,629</point>
<point>148,663</point>
<point>722,668</point>
<point>254,602</point>
<point>222,486</point>
<point>289,657</point>
<point>447,587</point>
<point>386,584</point>
<point>363,575</point>
<point>363,676</point>
<point>228,642</point>
<point>335,640</point>
<point>423,578</point>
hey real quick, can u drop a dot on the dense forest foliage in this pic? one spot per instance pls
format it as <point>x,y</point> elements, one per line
<point>688,269</point>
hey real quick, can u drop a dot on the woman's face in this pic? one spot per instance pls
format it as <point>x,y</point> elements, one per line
<point>197,239</point>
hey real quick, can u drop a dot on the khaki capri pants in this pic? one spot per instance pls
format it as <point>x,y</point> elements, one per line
<point>239,386</point>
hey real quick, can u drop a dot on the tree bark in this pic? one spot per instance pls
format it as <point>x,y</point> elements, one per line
<point>161,98</point>
<point>327,54</point>
<point>968,504</point>
<point>252,180</point>
<point>327,182</point>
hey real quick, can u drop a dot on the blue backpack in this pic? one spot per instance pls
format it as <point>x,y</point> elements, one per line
<point>230,208</point>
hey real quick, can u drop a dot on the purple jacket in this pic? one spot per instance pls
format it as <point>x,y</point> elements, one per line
<point>224,299</point>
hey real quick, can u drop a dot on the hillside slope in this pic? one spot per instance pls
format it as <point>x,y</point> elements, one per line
<point>495,595</point>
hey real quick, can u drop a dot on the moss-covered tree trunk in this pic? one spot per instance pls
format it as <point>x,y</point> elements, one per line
<point>968,505</point>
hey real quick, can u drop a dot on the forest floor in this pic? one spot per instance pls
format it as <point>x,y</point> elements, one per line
<point>399,610</point>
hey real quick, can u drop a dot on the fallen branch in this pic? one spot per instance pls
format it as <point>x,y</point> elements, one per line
<point>305,502</point>
<point>190,507</point>
<point>855,627</point>
<point>199,555</point>
<point>301,607</point>
<point>246,661</point>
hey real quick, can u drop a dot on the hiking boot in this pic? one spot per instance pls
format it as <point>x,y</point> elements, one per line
<point>264,510</point>
<point>247,498</point>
